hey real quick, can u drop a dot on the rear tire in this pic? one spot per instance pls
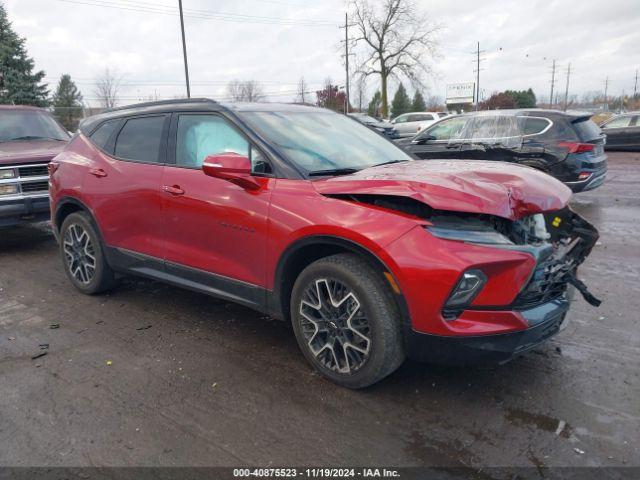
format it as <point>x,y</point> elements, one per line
<point>346,321</point>
<point>83,255</point>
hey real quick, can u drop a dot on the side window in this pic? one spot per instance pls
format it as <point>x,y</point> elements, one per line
<point>401,119</point>
<point>447,129</point>
<point>532,125</point>
<point>140,139</point>
<point>485,127</point>
<point>424,118</point>
<point>620,122</point>
<point>202,135</point>
<point>101,136</point>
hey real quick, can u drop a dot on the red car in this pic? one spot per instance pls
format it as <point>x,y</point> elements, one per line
<point>29,138</point>
<point>314,218</point>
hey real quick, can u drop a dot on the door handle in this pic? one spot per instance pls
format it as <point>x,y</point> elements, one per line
<point>173,189</point>
<point>98,172</point>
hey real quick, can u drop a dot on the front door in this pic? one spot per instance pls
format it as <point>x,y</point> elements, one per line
<point>442,140</point>
<point>214,229</point>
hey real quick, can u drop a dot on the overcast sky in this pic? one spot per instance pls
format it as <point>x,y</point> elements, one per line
<point>278,41</point>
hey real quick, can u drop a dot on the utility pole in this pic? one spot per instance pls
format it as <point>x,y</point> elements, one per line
<point>635,85</point>
<point>606,89</point>
<point>566,90</point>
<point>184,50</point>
<point>346,60</point>
<point>477,62</point>
<point>553,82</point>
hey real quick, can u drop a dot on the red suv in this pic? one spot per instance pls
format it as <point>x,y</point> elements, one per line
<point>311,217</point>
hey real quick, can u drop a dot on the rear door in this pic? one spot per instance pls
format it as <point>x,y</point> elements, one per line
<point>441,140</point>
<point>124,182</point>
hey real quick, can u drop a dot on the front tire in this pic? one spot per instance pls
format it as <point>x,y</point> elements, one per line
<point>346,321</point>
<point>83,255</point>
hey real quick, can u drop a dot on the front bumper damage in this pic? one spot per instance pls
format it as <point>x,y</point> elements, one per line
<point>542,303</point>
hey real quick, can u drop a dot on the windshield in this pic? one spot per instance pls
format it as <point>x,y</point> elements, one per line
<point>29,125</point>
<point>318,141</point>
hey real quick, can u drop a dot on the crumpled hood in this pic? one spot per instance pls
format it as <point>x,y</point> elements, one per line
<point>495,188</point>
<point>29,151</point>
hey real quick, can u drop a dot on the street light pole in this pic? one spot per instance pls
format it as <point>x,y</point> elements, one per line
<point>184,50</point>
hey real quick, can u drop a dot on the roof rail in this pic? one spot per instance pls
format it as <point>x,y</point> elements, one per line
<point>160,102</point>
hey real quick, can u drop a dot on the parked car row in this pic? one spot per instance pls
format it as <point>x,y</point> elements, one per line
<point>313,218</point>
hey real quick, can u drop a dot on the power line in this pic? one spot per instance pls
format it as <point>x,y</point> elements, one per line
<point>199,14</point>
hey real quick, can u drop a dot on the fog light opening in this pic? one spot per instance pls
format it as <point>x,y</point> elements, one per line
<point>468,287</point>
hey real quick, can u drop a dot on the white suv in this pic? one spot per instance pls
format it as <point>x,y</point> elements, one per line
<point>409,124</point>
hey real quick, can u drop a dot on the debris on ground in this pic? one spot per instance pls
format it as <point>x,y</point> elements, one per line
<point>44,346</point>
<point>109,363</point>
<point>577,450</point>
<point>38,355</point>
<point>144,328</point>
<point>54,326</point>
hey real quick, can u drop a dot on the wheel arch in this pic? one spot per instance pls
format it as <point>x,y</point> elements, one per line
<point>65,207</point>
<point>307,250</point>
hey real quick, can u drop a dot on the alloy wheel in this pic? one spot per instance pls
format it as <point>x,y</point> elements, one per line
<point>79,253</point>
<point>334,326</point>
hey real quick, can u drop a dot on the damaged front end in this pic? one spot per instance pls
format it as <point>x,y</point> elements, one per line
<point>559,241</point>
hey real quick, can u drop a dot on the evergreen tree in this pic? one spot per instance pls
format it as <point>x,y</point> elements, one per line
<point>375,104</point>
<point>67,103</point>
<point>18,83</point>
<point>523,98</point>
<point>401,102</point>
<point>418,104</point>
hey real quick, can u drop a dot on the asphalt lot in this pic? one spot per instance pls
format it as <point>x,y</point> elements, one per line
<point>152,375</point>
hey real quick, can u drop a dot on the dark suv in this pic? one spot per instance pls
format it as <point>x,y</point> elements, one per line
<point>312,217</point>
<point>568,146</point>
<point>29,138</point>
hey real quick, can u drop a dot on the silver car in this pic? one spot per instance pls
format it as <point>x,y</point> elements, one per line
<point>409,124</point>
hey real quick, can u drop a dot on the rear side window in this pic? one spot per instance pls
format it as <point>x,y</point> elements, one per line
<point>587,130</point>
<point>102,135</point>
<point>487,127</point>
<point>140,139</point>
<point>533,125</point>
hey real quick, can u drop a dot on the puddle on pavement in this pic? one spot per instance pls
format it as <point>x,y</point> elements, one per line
<point>539,421</point>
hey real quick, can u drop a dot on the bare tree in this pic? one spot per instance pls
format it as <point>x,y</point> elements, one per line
<point>107,88</point>
<point>302,91</point>
<point>245,91</point>
<point>399,41</point>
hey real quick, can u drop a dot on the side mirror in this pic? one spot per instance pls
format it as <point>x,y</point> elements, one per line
<point>423,139</point>
<point>233,167</point>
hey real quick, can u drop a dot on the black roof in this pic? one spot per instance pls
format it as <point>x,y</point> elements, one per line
<point>189,104</point>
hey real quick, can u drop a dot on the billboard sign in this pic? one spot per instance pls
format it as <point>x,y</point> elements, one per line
<point>460,92</point>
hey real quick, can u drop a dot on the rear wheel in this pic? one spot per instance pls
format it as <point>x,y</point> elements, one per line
<point>83,255</point>
<point>346,321</point>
